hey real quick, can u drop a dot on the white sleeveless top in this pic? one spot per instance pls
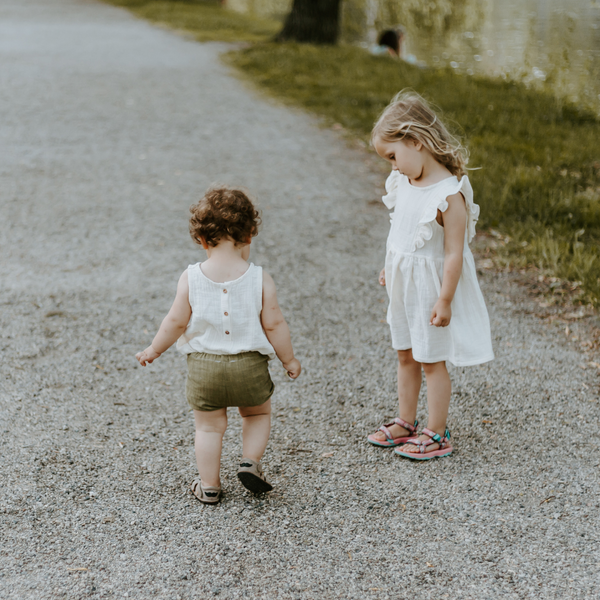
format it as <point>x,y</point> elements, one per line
<point>225,316</point>
<point>414,269</point>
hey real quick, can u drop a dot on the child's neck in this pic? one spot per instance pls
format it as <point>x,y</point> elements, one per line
<point>226,261</point>
<point>433,172</point>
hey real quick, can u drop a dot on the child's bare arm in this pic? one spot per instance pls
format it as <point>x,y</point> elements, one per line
<point>455,222</point>
<point>276,329</point>
<point>173,325</point>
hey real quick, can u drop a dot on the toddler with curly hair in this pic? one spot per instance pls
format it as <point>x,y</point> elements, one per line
<point>226,319</point>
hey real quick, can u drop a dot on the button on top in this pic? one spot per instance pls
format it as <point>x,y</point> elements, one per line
<point>226,314</point>
<point>224,291</point>
<point>227,333</point>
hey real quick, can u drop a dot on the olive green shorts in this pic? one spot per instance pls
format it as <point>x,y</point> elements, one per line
<point>217,381</point>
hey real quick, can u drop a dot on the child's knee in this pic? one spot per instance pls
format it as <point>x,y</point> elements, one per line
<point>211,421</point>
<point>434,368</point>
<point>405,358</point>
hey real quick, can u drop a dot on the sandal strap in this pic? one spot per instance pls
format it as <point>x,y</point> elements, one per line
<point>436,437</point>
<point>410,428</point>
<point>402,423</point>
<point>422,444</point>
<point>205,492</point>
<point>387,432</point>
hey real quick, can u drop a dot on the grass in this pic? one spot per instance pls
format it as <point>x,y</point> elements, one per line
<point>206,20</point>
<point>539,179</point>
<point>539,182</point>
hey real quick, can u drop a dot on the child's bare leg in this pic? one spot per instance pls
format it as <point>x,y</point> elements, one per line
<point>256,427</point>
<point>438,402</point>
<point>409,385</point>
<point>210,427</point>
<point>438,395</point>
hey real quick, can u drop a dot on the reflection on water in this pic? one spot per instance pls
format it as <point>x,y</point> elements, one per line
<point>547,43</point>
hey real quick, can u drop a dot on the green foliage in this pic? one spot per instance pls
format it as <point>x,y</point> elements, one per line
<point>538,159</point>
<point>206,20</point>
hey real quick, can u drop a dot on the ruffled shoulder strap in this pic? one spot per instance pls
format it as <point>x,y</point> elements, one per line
<point>464,186</point>
<point>439,202</point>
<point>391,185</point>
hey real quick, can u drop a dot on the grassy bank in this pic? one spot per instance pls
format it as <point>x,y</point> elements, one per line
<point>206,20</point>
<point>539,177</point>
<point>539,182</point>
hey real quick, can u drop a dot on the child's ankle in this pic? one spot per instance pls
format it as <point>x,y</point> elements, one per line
<point>209,483</point>
<point>439,430</point>
<point>251,457</point>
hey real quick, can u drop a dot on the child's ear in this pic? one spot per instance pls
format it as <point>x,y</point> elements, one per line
<point>418,145</point>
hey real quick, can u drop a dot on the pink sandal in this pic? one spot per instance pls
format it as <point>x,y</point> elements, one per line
<point>444,450</point>
<point>391,441</point>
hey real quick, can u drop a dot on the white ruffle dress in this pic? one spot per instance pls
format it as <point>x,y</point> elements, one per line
<point>414,267</point>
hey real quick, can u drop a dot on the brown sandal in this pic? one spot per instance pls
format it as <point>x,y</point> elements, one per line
<point>206,495</point>
<point>252,478</point>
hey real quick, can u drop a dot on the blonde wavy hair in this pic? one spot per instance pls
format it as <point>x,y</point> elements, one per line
<point>409,117</point>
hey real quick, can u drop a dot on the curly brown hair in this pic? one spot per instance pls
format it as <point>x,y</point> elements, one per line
<point>223,213</point>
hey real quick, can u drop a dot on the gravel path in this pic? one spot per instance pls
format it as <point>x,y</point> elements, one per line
<point>109,129</point>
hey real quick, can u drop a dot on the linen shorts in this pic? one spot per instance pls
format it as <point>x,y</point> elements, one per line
<point>221,380</point>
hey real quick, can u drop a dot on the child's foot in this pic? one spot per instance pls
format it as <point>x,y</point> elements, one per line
<point>427,446</point>
<point>206,494</point>
<point>397,432</point>
<point>252,478</point>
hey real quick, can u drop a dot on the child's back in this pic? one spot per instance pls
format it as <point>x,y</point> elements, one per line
<point>225,312</point>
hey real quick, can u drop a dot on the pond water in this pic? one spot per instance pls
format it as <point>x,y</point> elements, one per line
<point>553,44</point>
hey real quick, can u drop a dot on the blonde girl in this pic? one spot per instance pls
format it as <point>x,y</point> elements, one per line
<point>436,310</point>
<point>226,319</point>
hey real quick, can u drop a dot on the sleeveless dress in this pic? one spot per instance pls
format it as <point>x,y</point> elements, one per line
<point>414,267</point>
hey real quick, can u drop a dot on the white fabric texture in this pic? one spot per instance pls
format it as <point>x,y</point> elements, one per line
<point>225,316</point>
<point>414,268</point>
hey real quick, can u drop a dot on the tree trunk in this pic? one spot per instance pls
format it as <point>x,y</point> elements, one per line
<point>313,21</point>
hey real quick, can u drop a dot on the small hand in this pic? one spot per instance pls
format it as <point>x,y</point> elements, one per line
<point>293,368</point>
<point>441,314</point>
<point>382,277</point>
<point>148,356</point>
